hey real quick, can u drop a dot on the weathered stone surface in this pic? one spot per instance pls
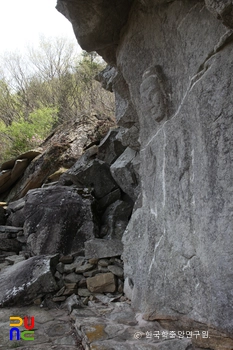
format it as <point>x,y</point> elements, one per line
<point>186,174</point>
<point>115,220</point>
<point>60,267</point>
<point>103,248</point>
<point>84,268</point>
<point>125,172</point>
<point>102,283</point>
<point>66,259</point>
<point>130,137</point>
<point>106,76</point>
<point>110,198</point>
<point>72,278</point>
<point>103,262</point>
<point>110,148</point>
<point>222,9</point>
<point>88,19</point>
<point>10,245</point>
<point>116,270</point>
<point>12,170</point>
<point>94,174</point>
<point>57,219</point>
<point>126,114</point>
<point>83,292</point>
<point>175,59</point>
<point>22,282</point>
<point>16,213</point>
<point>12,175</point>
<point>14,259</point>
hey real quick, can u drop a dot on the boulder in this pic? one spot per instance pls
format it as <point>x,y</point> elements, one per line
<point>106,76</point>
<point>102,283</point>
<point>12,239</point>
<point>89,30</point>
<point>57,219</point>
<point>21,283</point>
<point>110,198</point>
<point>129,137</point>
<point>115,219</point>
<point>103,248</point>
<point>93,174</point>
<point>110,148</point>
<point>15,213</point>
<point>9,177</point>
<point>125,171</point>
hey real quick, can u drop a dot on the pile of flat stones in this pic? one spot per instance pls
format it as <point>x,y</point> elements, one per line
<point>12,245</point>
<point>86,277</point>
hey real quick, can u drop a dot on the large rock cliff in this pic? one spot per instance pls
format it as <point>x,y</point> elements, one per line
<point>173,83</point>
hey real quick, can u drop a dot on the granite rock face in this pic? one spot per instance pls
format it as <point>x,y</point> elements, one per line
<point>175,59</point>
<point>57,219</point>
<point>22,282</point>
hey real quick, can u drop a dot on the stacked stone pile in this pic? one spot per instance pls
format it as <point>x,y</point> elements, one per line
<point>86,277</point>
<point>52,279</point>
<point>12,245</point>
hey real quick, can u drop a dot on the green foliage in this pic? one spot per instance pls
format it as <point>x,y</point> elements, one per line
<point>22,135</point>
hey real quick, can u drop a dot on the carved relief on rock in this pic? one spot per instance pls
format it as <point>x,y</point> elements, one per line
<point>153,96</point>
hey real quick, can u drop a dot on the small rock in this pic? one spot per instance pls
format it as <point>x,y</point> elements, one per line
<point>20,234</point>
<point>83,292</point>
<point>79,260</point>
<point>85,301</point>
<point>117,261</point>
<point>68,292</point>
<point>37,301</point>
<point>84,268</point>
<point>72,303</point>
<point>72,278</point>
<point>10,245</point>
<point>69,268</point>
<point>60,283</point>
<point>83,283</point>
<point>93,261</point>
<point>102,269</point>
<point>59,299</point>
<point>58,275</point>
<point>102,283</point>
<point>103,262</point>
<point>66,259</point>
<point>60,267</point>
<point>60,292</point>
<point>71,285</point>
<point>22,239</point>
<point>91,273</point>
<point>116,270</point>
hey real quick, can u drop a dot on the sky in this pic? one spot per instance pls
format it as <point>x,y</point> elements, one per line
<point>22,22</point>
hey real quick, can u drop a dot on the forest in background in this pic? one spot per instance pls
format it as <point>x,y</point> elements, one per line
<point>44,88</point>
